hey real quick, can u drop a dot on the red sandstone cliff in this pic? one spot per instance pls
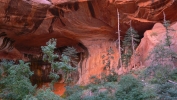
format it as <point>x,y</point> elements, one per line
<point>153,37</point>
<point>88,25</point>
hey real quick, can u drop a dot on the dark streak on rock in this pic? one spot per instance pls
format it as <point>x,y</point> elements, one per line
<point>11,45</point>
<point>69,6</point>
<point>21,10</point>
<point>61,12</point>
<point>10,9</point>
<point>92,12</point>
<point>62,22</point>
<point>51,25</point>
<point>85,55</point>
<point>3,34</point>
<point>4,43</point>
<point>38,18</point>
<point>76,6</point>
<point>57,14</point>
<point>54,11</point>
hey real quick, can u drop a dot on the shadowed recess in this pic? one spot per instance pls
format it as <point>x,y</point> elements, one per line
<point>92,12</point>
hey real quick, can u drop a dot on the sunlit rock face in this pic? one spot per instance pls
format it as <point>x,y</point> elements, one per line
<point>152,38</point>
<point>88,25</point>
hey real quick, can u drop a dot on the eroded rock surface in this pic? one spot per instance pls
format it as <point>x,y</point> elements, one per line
<point>88,25</point>
<point>152,38</point>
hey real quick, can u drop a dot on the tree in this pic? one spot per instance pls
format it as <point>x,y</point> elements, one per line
<point>15,78</point>
<point>14,82</point>
<point>65,60</point>
<point>166,24</point>
<point>130,42</point>
<point>119,45</point>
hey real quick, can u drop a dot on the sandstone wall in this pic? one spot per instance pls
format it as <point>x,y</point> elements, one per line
<point>89,25</point>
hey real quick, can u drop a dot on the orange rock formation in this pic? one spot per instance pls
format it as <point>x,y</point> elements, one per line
<point>89,25</point>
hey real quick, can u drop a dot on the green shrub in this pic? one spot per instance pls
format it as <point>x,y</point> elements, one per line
<point>15,83</point>
<point>167,91</point>
<point>157,74</point>
<point>75,96</point>
<point>131,89</point>
<point>73,89</point>
<point>95,80</point>
<point>47,94</point>
<point>173,75</point>
<point>99,96</point>
<point>112,77</point>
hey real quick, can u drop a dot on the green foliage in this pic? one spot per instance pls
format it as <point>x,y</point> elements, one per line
<point>72,53</point>
<point>75,96</point>
<point>167,91</point>
<point>15,83</point>
<point>109,57</point>
<point>73,89</point>
<point>43,94</point>
<point>112,77</point>
<point>47,94</point>
<point>173,75</point>
<point>65,60</point>
<point>157,74</point>
<point>130,34</point>
<point>100,96</point>
<point>126,57</point>
<point>130,42</point>
<point>168,38</point>
<point>161,55</point>
<point>75,92</point>
<point>30,97</point>
<point>92,92</point>
<point>49,51</point>
<point>95,80</point>
<point>160,77</point>
<point>131,89</point>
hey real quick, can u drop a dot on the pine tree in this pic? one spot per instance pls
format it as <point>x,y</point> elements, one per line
<point>65,60</point>
<point>14,82</point>
<point>130,42</point>
<point>166,24</point>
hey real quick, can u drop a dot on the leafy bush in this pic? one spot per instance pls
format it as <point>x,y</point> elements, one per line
<point>15,83</point>
<point>173,75</point>
<point>43,94</point>
<point>73,89</point>
<point>99,96</point>
<point>112,77</point>
<point>167,91</point>
<point>157,74</point>
<point>47,94</point>
<point>75,96</point>
<point>95,80</point>
<point>131,89</point>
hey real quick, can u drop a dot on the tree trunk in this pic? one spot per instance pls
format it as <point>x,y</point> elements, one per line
<point>120,59</point>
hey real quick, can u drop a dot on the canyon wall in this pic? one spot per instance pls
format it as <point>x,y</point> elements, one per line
<point>88,25</point>
<point>151,39</point>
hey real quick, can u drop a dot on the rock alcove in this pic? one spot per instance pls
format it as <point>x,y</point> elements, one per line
<point>88,25</point>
